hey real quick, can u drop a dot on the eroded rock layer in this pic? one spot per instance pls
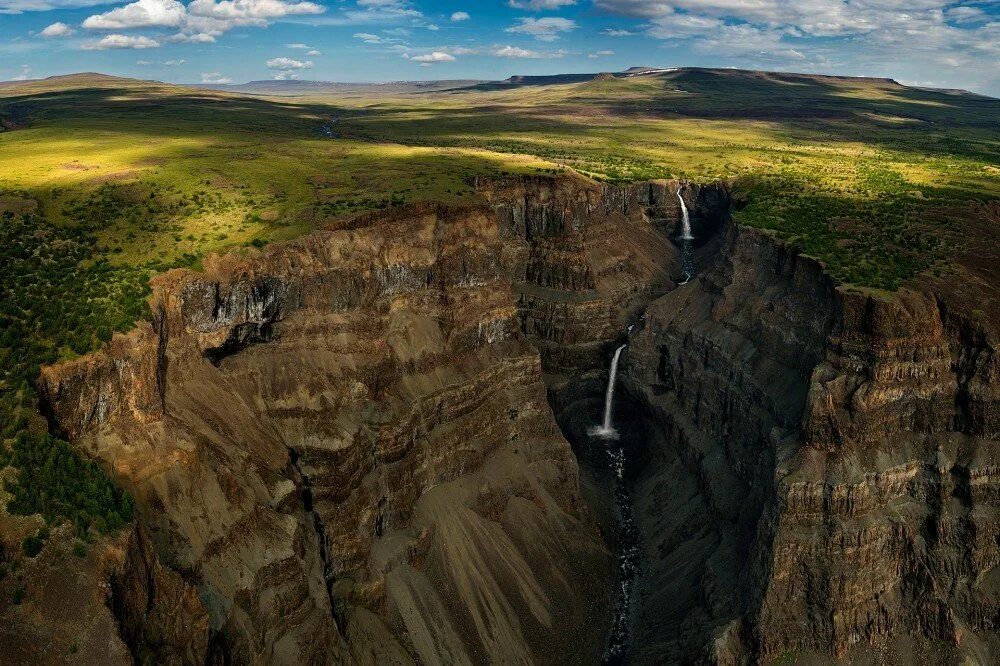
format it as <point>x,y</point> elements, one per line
<point>843,446</point>
<point>344,443</point>
<point>347,444</point>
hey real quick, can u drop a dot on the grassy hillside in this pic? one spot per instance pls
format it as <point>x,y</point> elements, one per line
<point>105,181</point>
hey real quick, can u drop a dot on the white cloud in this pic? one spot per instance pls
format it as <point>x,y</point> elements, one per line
<point>613,32</point>
<point>215,78</point>
<point>540,5</point>
<point>543,29</point>
<point>300,47</point>
<point>313,52</point>
<point>435,56</point>
<point>21,6</point>
<point>139,14</point>
<point>515,52</point>
<point>193,38</point>
<point>57,29</point>
<point>116,41</point>
<point>600,54</point>
<point>460,16</point>
<point>201,21</point>
<point>368,38</point>
<point>289,63</point>
<point>240,10</point>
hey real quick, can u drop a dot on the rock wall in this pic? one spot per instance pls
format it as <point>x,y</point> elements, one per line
<point>344,442</point>
<point>110,603</point>
<point>827,481</point>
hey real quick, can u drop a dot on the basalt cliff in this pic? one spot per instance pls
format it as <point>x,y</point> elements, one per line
<point>368,445</point>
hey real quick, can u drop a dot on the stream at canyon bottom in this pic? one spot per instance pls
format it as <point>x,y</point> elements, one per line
<point>616,651</point>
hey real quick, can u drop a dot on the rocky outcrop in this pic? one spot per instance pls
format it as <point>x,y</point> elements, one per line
<point>159,615</point>
<point>112,602</point>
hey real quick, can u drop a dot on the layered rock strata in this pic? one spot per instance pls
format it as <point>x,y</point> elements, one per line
<point>826,481</point>
<point>343,442</point>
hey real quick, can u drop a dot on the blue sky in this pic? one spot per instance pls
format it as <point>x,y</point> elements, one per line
<point>921,42</point>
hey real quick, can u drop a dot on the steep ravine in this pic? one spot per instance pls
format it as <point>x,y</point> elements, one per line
<point>355,446</point>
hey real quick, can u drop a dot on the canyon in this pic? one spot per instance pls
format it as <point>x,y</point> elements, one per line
<point>369,444</point>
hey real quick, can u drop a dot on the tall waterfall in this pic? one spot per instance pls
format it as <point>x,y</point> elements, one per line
<point>685,218</point>
<point>687,252</point>
<point>606,430</point>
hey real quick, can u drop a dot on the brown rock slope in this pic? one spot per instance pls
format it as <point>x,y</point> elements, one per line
<point>343,442</point>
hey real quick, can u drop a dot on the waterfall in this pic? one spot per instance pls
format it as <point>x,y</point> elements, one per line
<point>687,256</point>
<point>685,218</point>
<point>606,430</point>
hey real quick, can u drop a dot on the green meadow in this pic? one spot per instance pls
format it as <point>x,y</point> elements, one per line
<point>105,182</point>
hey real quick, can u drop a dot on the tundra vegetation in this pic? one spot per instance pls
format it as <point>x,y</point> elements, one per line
<point>105,182</point>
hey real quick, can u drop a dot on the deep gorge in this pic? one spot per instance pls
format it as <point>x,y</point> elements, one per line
<point>369,444</point>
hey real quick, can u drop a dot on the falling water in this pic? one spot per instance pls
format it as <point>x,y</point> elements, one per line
<point>685,219</point>
<point>606,430</point>
<point>687,237</point>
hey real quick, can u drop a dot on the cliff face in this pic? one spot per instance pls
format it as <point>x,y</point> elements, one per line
<point>827,479</point>
<point>347,445</point>
<point>114,603</point>
<point>897,483</point>
<point>344,443</point>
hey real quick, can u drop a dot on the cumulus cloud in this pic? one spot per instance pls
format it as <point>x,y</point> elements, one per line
<point>460,16</point>
<point>116,41</point>
<point>140,14</point>
<point>368,38</point>
<point>540,5</point>
<point>289,64</point>
<point>57,29</point>
<point>435,56</point>
<point>543,29</point>
<point>615,32</point>
<point>201,21</point>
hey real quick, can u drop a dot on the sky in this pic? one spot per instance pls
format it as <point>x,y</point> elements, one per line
<point>917,42</point>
